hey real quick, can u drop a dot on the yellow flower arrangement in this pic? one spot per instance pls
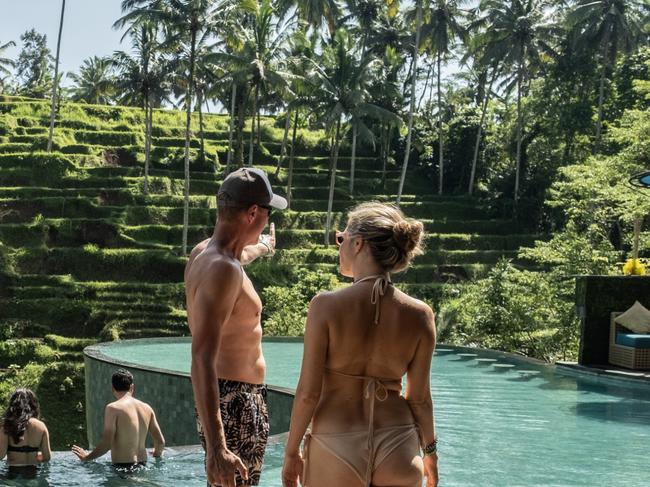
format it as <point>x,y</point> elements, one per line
<point>634,267</point>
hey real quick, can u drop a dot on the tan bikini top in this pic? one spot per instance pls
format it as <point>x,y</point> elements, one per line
<point>382,281</point>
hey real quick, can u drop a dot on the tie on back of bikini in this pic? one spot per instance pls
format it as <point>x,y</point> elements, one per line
<point>377,388</point>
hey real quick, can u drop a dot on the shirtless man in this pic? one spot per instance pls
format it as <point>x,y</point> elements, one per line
<point>126,424</point>
<point>223,312</point>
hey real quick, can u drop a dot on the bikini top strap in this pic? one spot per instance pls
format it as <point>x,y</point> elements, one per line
<point>377,386</point>
<point>382,281</point>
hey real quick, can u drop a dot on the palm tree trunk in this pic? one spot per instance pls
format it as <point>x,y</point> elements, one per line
<point>440,151</point>
<point>291,158</point>
<point>384,161</point>
<point>418,22</point>
<point>199,95</point>
<point>353,158</point>
<point>147,142</point>
<point>601,98</point>
<point>330,199</point>
<point>283,149</point>
<point>259,133</point>
<point>601,90</point>
<point>479,133</point>
<point>55,84</point>
<point>519,130</point>
<point>250,147</point>
<point>231,127</point>
<point>188,107</point>
<point>426,83</point>
<point>241,120</point>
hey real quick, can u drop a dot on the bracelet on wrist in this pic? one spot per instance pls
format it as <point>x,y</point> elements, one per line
<point>431,448</point>
<point>269,250</point>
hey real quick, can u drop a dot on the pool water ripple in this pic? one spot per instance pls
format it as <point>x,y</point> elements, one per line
<point>522,426</point>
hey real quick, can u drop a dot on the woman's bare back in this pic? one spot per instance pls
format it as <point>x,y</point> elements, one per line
<point>358,346</point>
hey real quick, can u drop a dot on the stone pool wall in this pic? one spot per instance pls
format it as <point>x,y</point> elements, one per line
<point>169,393</point>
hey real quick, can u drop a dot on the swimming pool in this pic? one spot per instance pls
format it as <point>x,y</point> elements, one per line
<point>502,420</point>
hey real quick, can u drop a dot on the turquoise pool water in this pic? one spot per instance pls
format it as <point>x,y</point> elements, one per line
<point>501,422</point>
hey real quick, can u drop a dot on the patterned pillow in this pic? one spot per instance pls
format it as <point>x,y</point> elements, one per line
<point>636,319</point>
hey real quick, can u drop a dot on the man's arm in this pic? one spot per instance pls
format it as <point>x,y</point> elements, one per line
<point>213,304</point>
<point>110,419</point>
<point>156,435</point>
<point>266,246</point>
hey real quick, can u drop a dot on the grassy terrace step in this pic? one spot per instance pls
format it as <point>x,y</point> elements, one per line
<point>60,207</point>
<point>155,266</point>
<point>107,234</point>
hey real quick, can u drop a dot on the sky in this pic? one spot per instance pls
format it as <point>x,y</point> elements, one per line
<point>87,28</point>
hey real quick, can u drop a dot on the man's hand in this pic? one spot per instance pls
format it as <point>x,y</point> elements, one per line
<point>269,239</point>
<point>80,452</point>
<point>431,469</point>
<point>221,467</point>
<point>292,470</point>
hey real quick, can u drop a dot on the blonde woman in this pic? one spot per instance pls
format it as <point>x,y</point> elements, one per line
<point>359,343</point>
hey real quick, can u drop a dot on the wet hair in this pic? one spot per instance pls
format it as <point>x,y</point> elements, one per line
<point>122,380</point>
<point>394,240</point>
<point>23,406</point>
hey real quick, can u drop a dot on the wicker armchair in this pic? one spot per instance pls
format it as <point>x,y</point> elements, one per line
<point>624,356</point>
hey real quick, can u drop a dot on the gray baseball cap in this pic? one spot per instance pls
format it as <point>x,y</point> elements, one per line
<point>249,186</point>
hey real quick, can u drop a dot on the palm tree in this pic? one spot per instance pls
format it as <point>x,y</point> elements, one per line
<point>142,79</point>
<point>95,82</point>
<point>516,35</point>
<point>6,63</point>
<point>255,63</point>
<point>440,29</point>
<point>341,92</point>
<point>313,12</point>
<point>414,69</point>
<point>55,84</point>
<point>611,26</point>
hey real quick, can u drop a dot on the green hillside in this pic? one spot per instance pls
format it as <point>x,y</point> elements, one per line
<point>87,255</point>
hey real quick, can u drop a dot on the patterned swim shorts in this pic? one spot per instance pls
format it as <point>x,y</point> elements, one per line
<point>246,425</point>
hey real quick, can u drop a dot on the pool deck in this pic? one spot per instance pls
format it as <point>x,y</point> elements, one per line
<point>606,371</point>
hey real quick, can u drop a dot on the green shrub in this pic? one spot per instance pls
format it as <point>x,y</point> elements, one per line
<point>67,343</point>
<point>23,350</point>
<point>285,308</point>
<point>109,138</point>
<point>46,169</point>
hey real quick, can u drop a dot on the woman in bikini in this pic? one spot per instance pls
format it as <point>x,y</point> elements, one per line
<point>24,439</point>
<point>359,343</point>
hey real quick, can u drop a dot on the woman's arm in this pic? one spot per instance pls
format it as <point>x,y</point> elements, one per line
<point>418,382</point>
<point>4,442</point>
<point>45,453</point>
<point>311,375</point>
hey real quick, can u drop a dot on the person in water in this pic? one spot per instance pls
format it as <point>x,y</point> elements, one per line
<point>224,316</point>
<point>127,421</point>
<point>24,439</point>
<point>359,342</point>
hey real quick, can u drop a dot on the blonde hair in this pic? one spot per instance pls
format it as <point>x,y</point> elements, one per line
<point>394,240</point>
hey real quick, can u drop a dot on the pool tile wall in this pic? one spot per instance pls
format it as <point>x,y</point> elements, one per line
<point>169,393</point>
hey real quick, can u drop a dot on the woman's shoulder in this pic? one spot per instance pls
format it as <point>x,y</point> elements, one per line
<point>417,307</point>
<point>36,424</point>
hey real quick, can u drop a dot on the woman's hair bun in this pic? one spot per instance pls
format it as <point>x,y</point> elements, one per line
<point>407,234</point>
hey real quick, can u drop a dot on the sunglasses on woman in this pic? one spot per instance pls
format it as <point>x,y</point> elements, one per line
<point>268,208</point>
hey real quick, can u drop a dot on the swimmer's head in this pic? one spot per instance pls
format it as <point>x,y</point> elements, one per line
<point>122,380</point>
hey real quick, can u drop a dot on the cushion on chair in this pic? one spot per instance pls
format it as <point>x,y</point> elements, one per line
<point>636,319</point>
<point>631,340</point>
